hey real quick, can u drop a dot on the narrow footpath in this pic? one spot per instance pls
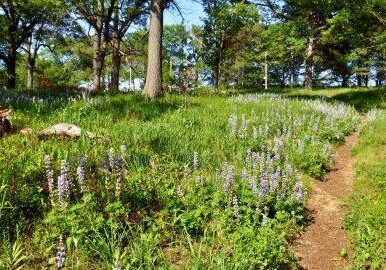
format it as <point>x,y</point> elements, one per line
<point>321,244</point>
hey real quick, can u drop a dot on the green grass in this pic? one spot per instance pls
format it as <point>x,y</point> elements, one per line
<point>366,220</point>
<point>150,225</point>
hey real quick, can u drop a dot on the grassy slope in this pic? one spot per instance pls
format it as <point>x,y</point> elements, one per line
<point>161,137</point>
<point>366,220</point>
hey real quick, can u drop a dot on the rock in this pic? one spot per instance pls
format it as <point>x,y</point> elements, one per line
<point>65,130</point>
<point>26,131</point>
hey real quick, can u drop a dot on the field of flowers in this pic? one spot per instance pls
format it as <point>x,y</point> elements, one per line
<point>184,182</point>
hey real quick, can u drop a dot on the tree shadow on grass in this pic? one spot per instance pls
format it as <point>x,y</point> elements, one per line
<point>363,101</point>
<point>138,107</point>
<point>366,100</point>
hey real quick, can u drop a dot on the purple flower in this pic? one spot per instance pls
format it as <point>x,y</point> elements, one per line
<point>235,203</point>
<point>232,123</point>
<point>63,184</point>
<point>80,172</point>
<point>229,176</point>
<point>264,186</point>
<point>60,257</point>
<point>50,178</point>
<point>195,161</point>
<point>298,192</point>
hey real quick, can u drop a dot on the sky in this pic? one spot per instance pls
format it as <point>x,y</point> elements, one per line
<point>191,10</point>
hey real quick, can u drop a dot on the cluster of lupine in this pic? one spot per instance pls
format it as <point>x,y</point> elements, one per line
<point>113,168</point>
<point>270,178</point>
<point>290,127</point>
<point>59,194</point>
<point>282,127</point>
<point>10,98</point>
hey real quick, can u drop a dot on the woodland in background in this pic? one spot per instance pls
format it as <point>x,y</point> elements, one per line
<point>96,44</point>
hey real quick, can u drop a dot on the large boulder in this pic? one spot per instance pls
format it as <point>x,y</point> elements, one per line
<point>63,130</point>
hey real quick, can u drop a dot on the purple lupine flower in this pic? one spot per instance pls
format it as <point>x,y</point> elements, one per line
<point>244,127</point>
<point>298,192</point>
<point>217,177</point>
<point>253,185</point>
<point>235,204</point>
<point>264,186</point>
<point>199,181</point>
<point>229,176</point>
<point>50,178</point>
<point>265,220</point>
<point>180,191</point>
<point>255,133</point>
<point>275,180</point>
<point>80,172</point>
<point>63,184</point>
<point>111,158</point>
<point>60,257</point>
<point>248,158</point>
<point>195,161</point>
<point>244,174</point>
<point>123,150</point>
<point>232,122</point>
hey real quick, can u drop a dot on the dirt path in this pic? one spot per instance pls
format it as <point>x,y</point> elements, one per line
<point>319,247</point>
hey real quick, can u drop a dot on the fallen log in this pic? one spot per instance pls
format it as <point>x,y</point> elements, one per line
<point>5,125</point>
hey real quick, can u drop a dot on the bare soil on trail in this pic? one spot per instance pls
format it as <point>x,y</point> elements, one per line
<point>320,245</point>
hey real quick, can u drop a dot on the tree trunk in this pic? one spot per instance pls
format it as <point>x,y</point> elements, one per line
<point>309,63</point>
<point>359,80</point>
<point>345,81</point>
<point>292,79</point>
<point>115,65</point>
<point>31,60</point>
<point>11,68</point>
<point>97,62</point>
<point>216,76</point>
<point>153,86</point>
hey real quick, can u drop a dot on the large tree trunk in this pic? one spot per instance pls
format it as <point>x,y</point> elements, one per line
<point>97,62</point>
<point>31,60</point>
<point>11,68</point>
<point>153,86</point>
<point>309,63</point>
<point>115,65</point>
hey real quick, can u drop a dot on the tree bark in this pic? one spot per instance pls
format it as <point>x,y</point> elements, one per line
<point>153,85</point>
<point>216,76</point>
<point>292,79</point>
<point>345,80</point>
<point>309,63</point>
<point>97,62</point>
<point>115,65</point>
<point>359,80</point>
<point>11,68</point>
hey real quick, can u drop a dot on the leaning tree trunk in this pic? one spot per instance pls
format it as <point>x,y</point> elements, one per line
<point>153,85</point>
<point>309,63</point>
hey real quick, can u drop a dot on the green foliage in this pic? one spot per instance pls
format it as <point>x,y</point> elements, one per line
<point>366,219</point>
